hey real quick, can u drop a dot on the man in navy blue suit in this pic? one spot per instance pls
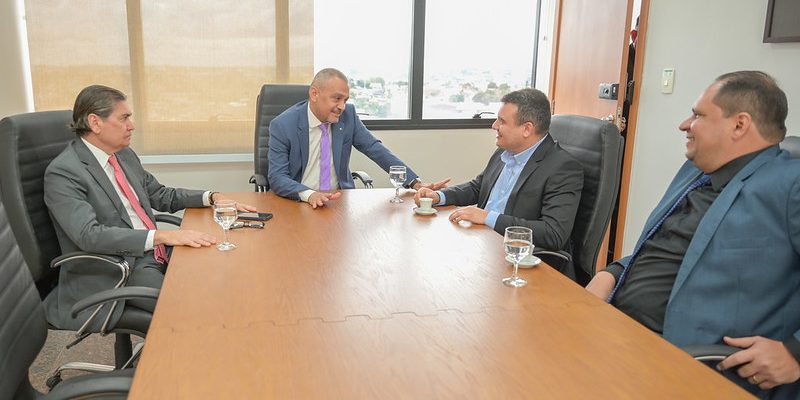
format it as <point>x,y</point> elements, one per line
<point>719,258</point>
<point>310,144</point>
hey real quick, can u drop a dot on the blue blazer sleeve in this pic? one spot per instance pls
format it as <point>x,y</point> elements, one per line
<point>286,162</point>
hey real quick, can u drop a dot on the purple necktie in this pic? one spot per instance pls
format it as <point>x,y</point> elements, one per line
<point>696,184</point>
<point>325,159</point>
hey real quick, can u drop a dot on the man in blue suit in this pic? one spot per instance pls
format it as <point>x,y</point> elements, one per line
<point>719,259</point>
<point>310,144</point>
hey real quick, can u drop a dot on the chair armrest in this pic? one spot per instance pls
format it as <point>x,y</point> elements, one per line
<point>169,219</point>
<point>115,383</point>
<point>123,293</point>
<point>364,178</point>
<point>560,254</point>
<point>76,255</point>
<point>709,352</point>
<point>261,183</point>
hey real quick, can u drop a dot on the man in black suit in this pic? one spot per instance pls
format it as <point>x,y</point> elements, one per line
<point>529,181</point>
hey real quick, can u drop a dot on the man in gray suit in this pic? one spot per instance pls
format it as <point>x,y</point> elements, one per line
<point>530,180</point>
<point>101,200</point>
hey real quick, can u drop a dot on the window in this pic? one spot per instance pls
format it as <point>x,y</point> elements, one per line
<point>370,41</point>
<point>475,52</point>
<point>192,69</point>
<point>429,64</point>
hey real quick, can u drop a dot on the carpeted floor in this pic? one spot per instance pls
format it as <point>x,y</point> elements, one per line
<point>94,349</point>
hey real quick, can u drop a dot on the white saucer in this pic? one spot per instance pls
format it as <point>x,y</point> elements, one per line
<point>425,212</point>
<point>529,261</point>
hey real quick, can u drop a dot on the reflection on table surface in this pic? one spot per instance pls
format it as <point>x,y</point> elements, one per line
<point>366,299</point>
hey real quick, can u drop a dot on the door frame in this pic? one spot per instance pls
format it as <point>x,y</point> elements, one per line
<point>633,117</point>
<point>624,195</point>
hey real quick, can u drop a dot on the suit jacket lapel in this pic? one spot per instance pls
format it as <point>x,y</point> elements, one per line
<point>101,178</point>
<point>302,134</point>
<point>713,218</point>
<point>531,166</point>
<point>337,142</point>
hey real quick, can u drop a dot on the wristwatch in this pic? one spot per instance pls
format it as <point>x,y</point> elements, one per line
<point>211,198</point>
<point>411,184</point>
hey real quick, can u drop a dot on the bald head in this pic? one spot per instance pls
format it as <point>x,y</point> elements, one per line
<point>325,75</point>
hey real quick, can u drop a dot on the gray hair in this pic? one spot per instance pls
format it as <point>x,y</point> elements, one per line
<point>532,106</point>
<point>96,99</point>
<point>323,76</point>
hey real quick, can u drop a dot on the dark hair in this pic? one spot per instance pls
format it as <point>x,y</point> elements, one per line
<point>324,75</point>
<point>96,99</point>
<point>532,106</point>
<point>757,94</point>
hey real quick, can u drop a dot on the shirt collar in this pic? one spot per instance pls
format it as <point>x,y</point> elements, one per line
<point>724,174</point>
<point>523,156</point>
<point>100,155</point>
<point>313,122</point>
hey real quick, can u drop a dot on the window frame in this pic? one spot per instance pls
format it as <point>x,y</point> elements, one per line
<point>415,121</point>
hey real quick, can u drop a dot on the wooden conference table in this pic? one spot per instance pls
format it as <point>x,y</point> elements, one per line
<point>365,299</point>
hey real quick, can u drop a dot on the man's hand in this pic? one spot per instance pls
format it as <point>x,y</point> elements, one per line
<point>763,362</point>
<point>217,196</point>
<point>472,214</point>
<point>601,285</point>
<point>433,186</point>
<point>318,199</point>
<point>426,192</point>
<point>183,237</point>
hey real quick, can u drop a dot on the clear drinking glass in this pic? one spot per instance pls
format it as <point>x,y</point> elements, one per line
<point>225,214</point>
<point>518,242</point>
<point>397,175</point>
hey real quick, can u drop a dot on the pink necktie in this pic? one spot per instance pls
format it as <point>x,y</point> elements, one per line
<point>325,159</point>
<point>160,250</point>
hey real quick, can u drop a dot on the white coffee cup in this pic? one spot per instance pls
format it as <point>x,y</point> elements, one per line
<point>425,203</point>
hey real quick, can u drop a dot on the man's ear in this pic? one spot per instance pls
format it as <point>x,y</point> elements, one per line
<point>313,93</point>
<point>743,123</point>
<point>94,122</point>
<point>529,129</point>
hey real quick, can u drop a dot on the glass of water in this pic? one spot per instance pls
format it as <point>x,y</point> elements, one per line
<point>225,214</point>
<point>518,242</point>
<point>397,175</point>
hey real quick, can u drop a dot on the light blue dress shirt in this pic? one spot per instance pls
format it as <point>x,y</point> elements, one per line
<point>498,198</point>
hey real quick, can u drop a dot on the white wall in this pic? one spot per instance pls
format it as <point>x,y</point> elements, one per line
<point>701,40</point>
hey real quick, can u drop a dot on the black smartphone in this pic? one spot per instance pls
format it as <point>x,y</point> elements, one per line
<point>255,216</point>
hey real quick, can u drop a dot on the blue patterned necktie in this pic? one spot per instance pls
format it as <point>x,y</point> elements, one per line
<point>696,184</point>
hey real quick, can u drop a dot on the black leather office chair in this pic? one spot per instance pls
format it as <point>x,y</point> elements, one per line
<point>28,142</point>
<point>24,331</point>
<point>273,100</point>
<point>792,145</point>
<point>598,146</point>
